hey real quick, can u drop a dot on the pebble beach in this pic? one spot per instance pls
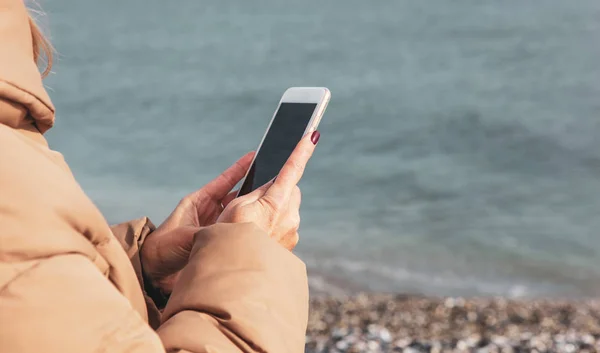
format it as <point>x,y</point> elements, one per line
<point>413,324</point>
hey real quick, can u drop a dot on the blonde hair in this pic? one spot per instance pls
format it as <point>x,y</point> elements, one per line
<point>42,49</point>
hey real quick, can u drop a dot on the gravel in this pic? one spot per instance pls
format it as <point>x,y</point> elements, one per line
<point>413,324</point>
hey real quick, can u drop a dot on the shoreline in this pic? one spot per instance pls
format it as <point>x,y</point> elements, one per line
<point>414,323</point>
<point>328,283</point>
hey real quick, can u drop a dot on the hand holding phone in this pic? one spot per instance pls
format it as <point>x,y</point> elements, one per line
<point>274,203</point>
<point>275,206</point>
<point>299,112</point>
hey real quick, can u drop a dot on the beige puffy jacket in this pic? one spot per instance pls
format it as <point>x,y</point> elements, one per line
<point>68,283</point>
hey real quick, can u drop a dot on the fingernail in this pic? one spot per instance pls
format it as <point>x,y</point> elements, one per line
<point>315,137</point>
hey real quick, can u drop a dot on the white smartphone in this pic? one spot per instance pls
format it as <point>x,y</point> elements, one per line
<point>299,112</point>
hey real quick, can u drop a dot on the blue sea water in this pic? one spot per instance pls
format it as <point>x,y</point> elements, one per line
<point>460,154</point>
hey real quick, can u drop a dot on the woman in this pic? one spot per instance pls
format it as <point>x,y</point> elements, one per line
<point>70,283</point>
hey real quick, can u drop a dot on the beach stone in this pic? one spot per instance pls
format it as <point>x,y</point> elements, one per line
<point>548,322</point>
<point>403,342</point>
<point>410,350</point>
<point>538,344</point>
<point>339,332</point>
<point>500,341</point>
<point>436,347</point>
<point>472,316</point>
<point>492,348</point>
<point>372,330</point>
<point>385,335</point>
<point>373,346</point>
<point>571,336</point>
<point>526,336</point>
<point>449,303</point>
<point>588,339</point>
<point>342,345</point>
<point>473,340</point>
<point>359,346</point>
<point>321,325</point>
<point>320,346</point>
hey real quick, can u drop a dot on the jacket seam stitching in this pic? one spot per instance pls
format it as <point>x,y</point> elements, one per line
<point>19,275</point>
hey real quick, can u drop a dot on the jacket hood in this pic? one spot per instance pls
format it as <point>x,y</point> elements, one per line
<point>20,80</point>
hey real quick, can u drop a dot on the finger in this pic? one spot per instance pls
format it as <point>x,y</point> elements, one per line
<point>292,170</point>
<point>287,230</point>
<point>183,239</point>
<point>291,240</point>
<point>292,216</point>
<point>218,188</point>
<point>292,211</point>
<point>177,242</point>
<point>289,222</point>
<point>295,199</point>
<point>227,199</point>
<point>259,192</point>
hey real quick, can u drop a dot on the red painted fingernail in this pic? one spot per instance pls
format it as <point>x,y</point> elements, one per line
<point>315,137</point>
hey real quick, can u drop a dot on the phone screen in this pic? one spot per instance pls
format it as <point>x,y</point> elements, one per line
<point>284,134</point>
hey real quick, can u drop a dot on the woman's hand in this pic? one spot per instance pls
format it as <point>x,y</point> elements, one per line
<point>166,250</point>
<point>275,207</point>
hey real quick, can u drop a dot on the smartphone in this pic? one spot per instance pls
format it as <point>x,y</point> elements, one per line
<point>299,112</point>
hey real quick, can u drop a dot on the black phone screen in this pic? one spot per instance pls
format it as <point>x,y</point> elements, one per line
<point>284,134</point>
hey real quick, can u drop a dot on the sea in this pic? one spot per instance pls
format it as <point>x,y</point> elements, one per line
<point>460,153</point>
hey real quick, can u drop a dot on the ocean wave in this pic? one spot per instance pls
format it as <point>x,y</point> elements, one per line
<point>336,276</point>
